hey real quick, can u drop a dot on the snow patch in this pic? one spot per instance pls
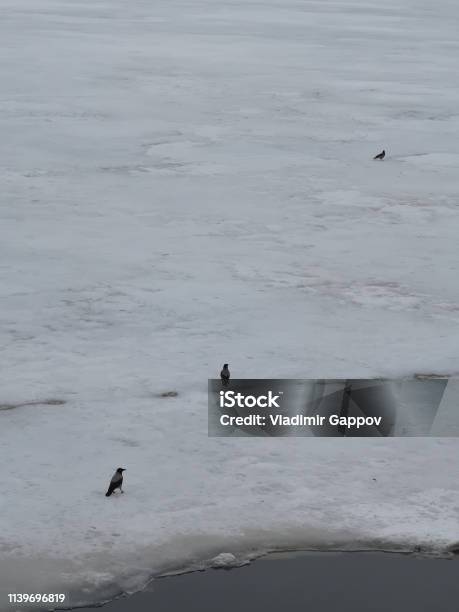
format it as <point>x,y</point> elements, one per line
<point>224,560</point>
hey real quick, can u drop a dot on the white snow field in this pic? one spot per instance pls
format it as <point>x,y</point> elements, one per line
<point>187,183</point>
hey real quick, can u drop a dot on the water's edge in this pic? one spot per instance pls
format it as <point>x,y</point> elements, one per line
<point>245,558</point>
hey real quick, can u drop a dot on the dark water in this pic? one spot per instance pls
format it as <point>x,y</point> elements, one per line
<point>308,582</point>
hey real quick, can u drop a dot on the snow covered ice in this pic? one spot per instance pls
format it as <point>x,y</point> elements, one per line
<point>186,184</point>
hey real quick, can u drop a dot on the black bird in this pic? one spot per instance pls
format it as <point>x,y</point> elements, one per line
<point>381,155</point>
<point>225,375</point>
<point>116,482</point>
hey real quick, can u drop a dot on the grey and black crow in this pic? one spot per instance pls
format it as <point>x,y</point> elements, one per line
<point>225,375</point>
<point>381,155</point>
<point>116,482</point>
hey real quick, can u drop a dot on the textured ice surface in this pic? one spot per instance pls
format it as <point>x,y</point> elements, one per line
<point>187,184</point>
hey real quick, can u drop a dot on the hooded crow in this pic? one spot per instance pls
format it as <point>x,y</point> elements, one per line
<point>381,155</point>
<point>225,375</point>
<point>116,482</point>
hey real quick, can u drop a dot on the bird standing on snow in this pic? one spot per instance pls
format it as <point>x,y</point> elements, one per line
<point>225,375</point>
<point>381,155</point>
<point>116,482</point>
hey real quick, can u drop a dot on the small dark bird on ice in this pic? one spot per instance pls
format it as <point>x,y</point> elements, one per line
<point>116,482</point>
<point>381,155</point>
<point>225,375</point>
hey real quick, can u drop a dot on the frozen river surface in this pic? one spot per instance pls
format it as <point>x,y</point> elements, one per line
<point>185,184</point>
